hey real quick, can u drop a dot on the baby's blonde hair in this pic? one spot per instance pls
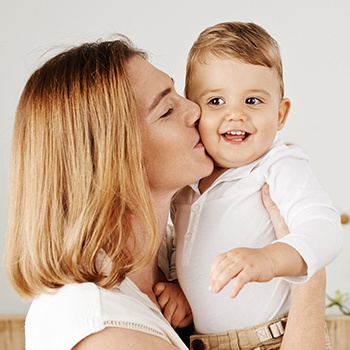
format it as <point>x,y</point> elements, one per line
<point>246,42</point>
<point>77,181</point>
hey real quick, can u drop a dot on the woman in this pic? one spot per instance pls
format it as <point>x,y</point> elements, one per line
<point>101,143</point>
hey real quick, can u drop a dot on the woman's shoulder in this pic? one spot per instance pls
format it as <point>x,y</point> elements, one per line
<point>69,299</point>
<point>62,318</point>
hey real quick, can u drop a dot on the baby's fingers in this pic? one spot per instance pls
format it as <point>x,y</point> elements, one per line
<point>159,288</point>
<point>186,321</point>
<point>218,265</point>
<point>169,312</point>
<point>163,299</point>
<point>222,276</point>
<point>238,283</point>
<point>179,316</point>
<point>218,270</point>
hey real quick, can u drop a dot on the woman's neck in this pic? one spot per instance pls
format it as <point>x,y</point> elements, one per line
<point>146,278</point>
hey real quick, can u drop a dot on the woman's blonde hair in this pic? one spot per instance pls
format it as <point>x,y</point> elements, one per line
<point>247,42</point>
<point>77,181</point>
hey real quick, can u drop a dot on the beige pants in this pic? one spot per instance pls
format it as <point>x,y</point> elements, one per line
<point>266,336</point>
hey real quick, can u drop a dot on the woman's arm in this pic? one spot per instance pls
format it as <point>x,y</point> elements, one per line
<point>305,328</point>
<point>123,339</point>
<point>306,321</point>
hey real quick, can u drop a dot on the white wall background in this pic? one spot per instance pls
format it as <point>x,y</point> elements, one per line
<point>314,37</point>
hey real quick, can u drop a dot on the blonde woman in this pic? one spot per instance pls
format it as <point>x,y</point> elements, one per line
<point>101,143</point>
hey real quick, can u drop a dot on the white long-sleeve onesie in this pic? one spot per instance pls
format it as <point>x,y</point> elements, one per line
<point>230,214</point>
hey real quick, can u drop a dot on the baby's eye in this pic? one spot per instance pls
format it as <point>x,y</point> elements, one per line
<point>216,101</point>
<point>252,101</point>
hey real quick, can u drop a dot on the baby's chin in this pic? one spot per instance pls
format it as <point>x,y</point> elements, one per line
<point>230,164</point>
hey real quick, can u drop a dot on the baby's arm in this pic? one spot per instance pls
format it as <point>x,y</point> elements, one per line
<point>314,222</point>
<point>258,265</point>
<point>173,303</point>
<point>254,265</point>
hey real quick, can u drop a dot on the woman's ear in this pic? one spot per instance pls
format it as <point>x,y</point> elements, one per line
<point>283,112</point>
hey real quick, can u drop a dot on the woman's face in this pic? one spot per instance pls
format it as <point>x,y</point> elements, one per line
<point>173,153</point>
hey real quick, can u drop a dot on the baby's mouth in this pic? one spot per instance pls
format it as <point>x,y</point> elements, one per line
<point>236,136</point>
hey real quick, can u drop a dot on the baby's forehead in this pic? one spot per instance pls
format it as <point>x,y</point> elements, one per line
<point>208,56</point>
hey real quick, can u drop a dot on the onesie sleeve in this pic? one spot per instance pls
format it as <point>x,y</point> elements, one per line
<point>166,254</point>
<point>313,221</point>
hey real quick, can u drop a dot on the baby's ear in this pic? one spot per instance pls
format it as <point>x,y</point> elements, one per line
<point>283,111</point>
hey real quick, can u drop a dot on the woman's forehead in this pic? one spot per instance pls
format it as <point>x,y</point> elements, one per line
<point>147,82</point>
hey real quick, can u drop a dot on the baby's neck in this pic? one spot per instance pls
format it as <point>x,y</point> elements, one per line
<point>206,182</point>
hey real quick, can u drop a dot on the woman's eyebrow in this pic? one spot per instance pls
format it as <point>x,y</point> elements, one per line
<point>158,98</point>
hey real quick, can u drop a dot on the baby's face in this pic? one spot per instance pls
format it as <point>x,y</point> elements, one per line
<point>241,109</point>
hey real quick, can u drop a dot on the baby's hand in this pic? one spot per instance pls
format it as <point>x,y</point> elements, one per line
<point>174,304</point>
<point>244,265</point>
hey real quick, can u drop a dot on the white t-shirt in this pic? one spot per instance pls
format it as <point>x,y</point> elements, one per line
<point>60,320</point>
<point>230,214</point>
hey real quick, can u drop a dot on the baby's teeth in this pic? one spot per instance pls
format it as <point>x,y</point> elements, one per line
<point>236,132</point>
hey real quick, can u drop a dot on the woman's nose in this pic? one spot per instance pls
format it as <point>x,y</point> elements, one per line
<point>192,113</point>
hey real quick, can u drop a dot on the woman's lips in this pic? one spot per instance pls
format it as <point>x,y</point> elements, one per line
<point>199,144</point>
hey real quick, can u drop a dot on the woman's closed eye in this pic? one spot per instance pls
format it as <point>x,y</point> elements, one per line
<point>167,113</point>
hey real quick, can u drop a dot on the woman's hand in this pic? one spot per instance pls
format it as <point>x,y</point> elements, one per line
<point>278,222</point>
